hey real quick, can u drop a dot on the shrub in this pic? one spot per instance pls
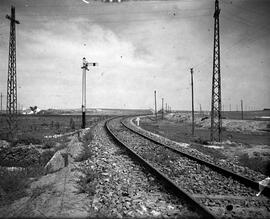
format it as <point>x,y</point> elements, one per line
<point>12,181</point>
<point>57,125</point>
<point>72,124</point>
<point>44,124</point>
<point>85,154</point>
<point>255,163</point>
<point>88,137</point>
<point>87,182</point>
<point>50,143</point>
<point>60,146</point>
<point>199,140</point>
<point>26,140</point>
<point>15,183</point>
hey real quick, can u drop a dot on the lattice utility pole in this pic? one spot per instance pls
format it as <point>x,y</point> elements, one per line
<point>12,78</point>
<point>84,68</point>
<point>216,122</point>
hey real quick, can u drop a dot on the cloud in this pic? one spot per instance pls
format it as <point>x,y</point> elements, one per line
<point>140,48</point>
<point>52,57</point>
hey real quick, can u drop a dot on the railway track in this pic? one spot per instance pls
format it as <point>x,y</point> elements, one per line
<point>214,191</point>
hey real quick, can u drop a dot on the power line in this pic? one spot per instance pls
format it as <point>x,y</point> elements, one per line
<point>225,51</point>
<point>129,20</point>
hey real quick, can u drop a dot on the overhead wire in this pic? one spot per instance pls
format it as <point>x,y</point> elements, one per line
<point>246,38</point>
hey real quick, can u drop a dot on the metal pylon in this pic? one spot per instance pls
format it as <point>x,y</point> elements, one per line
<point>12,78</point>
<point>216,122</point>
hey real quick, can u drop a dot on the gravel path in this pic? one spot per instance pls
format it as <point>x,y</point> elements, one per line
<point>124,189</point>
<point>213,189</point>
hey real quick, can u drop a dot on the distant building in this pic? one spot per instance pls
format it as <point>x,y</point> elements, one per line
<point>31,110</point>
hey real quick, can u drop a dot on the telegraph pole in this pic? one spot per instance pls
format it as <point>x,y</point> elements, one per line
<point>1,103</point>
<point>12,77</point>
<point>162,110</point>
<point>242,111</point>
<point>192,99</point>
<point>216,122</point>
<point>155,94</point>
<point>84,68</point>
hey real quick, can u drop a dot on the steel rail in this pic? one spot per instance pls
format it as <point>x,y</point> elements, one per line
<point>246,181</point>
<point>168,184</point>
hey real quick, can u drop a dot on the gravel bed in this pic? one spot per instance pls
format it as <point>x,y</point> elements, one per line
<point>195,178</point>
<point>244,171</point>
<point>123,189</point>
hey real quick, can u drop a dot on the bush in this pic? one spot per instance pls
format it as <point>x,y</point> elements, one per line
<point>12,181</point>
<point>85,154</point>
<point>57,125</point>
<point>199,140</point>
<point>60,146</point>
<point>15,183</point>
<point>88,137</point>
<point>87,183</point>
<point>72,124</point>
<point>48,144</point>
<point>255,163</point>
<point>26,140</point>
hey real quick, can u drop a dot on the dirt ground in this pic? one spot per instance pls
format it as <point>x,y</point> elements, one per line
<point>55,194</point>
<point>243,141</point>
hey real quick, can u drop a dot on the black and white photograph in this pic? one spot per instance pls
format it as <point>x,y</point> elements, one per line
<point>135,109</point>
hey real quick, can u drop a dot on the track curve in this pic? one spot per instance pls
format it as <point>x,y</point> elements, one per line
<point>215,190</point>
<point>169,184</point>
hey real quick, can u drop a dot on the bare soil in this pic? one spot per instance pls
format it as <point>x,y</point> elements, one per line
<point>55,194</point>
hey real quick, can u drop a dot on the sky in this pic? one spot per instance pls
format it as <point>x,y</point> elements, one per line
<point>140,46</point>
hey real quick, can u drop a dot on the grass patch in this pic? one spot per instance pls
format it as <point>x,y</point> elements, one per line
<point>86,152</point>
<point>88,137</point>
<point>200,140</point>
<point>60,146</point>
<point>26,140</point>
<point>39,190</point>
<point>48,143</point>
<point>87,182</point>
<point>14,183</point>
<point>255,163</point>
<point>214,153</point>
